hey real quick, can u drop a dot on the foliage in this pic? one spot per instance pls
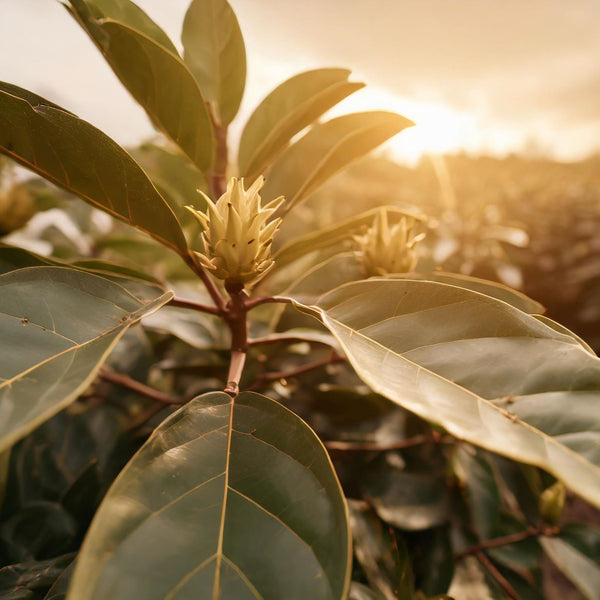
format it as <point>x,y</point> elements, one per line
<point>423,413</point>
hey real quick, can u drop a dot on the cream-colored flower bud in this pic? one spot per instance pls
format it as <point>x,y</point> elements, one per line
<point>386,249</point>
<point>238,233</point>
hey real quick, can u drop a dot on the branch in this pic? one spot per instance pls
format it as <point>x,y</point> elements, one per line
<point>250,304</point>
<point>513,538</point>
<point>136,386</point>
<point>274,376</point>
<point>417,440</point>
<point>183,303</point>
<point>507,588</point>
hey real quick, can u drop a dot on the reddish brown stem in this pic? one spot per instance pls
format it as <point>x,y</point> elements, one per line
<point>136,386</point>
<point>513,538</point>
<point>183,303</point>
<point>216,176</point>
<point>250,304</point>
<point>274,376</point>
<point>507,588</point>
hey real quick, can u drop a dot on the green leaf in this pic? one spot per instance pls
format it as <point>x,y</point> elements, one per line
<point>80,158</point>
<point>60,325</point>
<point>485,371</point>
<point>287,110</point>
<point>215,53</point>
<point>477,477</point>
<point>158,79</point>
<point>326,149</point>
<point>408,496</point>
<point>228,499</point>
<point>33,576</point>
<point>576,552</point>
<point>127,13</point>
<point>385,561</point>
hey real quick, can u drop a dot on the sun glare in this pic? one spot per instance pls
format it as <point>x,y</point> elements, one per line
<point>438,128</point>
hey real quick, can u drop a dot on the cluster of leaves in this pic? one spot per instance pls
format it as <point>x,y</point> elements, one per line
<point>436,400</point>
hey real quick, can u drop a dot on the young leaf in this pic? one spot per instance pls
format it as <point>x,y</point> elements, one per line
<point>287,110</point>
<point>227,499</point>
<point>60,325</point>
<point>215,53</point>
<point>126,12</point>
<point>80,158</point>
<point>576,552</point>
<point>452,356</point>
<point>157,78</point>
<point>326,149</point>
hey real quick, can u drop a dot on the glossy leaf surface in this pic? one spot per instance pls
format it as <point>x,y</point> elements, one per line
<point>60,325</point>
<point>215,53</point>
<point>157,78</point>
<point>487,372</point>
<point>287,110</point>
<point>225,500</point>
<point>73,154</point>
<point>326,149</point>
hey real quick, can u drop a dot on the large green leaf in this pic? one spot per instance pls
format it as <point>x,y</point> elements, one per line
<point>157,78</point>
<point>57,326</point>
<point>487,372</point>
<point>228,499</point>
<point>126,12</point>
<point>326,149</point>
<point>80,158</point>
<point>287,110</point>
<point>576,552</point>
<point>215,53</point>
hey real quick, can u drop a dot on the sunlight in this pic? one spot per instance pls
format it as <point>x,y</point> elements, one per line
<point>438,128</point>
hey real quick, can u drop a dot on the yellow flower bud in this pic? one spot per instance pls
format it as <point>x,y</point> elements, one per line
<point>238,233</point>
<point>552,502</point>
<point>16,208</point>
<point>386,249</point>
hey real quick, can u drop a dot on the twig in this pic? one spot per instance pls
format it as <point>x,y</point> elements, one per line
<point>250,304</point>
<point>136,386</point>
<point>416,440</point>
<point>507,588</point>
<point>183,303</point>
<point>513,538</point>
<point>274,376</point>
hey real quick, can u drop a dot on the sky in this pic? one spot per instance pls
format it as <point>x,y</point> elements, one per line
<point>492,76</point>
